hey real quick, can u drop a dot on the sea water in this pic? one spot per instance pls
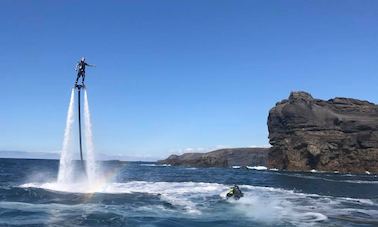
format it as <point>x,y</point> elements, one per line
<point>148,194</point>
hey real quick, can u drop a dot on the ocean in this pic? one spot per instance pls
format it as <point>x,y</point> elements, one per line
<point>148,194</point>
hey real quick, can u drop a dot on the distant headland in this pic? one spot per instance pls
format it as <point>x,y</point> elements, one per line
<point>221,158</point>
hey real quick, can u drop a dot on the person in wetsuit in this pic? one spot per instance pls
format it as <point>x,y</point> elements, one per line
<point>80,68</point>
<point>234,192</point>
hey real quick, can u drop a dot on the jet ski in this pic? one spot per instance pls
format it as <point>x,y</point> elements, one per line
<point>234,193</point>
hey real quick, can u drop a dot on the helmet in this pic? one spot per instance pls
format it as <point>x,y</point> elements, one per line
<point>82,58</point>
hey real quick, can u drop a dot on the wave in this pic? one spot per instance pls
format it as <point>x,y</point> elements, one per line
<point>155,165</point>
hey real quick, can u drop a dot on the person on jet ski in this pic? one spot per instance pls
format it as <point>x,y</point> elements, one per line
<point>80,68</point>
<point>235,192</point>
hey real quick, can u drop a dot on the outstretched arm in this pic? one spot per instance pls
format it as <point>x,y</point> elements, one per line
<point>90,65</point>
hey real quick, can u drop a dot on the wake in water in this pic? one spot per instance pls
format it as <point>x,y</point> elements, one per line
<point>268,205</point>
<point>71,171</point>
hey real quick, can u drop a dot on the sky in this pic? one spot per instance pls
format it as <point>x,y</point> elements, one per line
<point>174,76</point>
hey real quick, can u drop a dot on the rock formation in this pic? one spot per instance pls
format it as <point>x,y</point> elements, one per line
<point>340,134</point>
<point>220,158</point>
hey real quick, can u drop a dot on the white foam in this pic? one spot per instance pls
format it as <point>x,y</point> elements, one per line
<point>155,165</point>
<point>257,167</point>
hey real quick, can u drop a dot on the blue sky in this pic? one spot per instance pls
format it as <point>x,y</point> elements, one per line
<point>173,75</point>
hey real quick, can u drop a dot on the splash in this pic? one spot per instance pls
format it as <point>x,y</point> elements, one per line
<point>90,155</point>
<point>66,157</point>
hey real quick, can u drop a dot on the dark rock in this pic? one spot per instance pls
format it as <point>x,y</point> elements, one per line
<point>220,158</point>
<point>340,134</point>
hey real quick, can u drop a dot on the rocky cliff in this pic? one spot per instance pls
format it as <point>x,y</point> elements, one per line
<point>340,134</point>
<point>220,158</point>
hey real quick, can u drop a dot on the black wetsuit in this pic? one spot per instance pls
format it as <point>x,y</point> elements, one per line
<point>81,70</point>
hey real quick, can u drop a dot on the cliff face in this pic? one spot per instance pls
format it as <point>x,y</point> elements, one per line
<point>340,134</point>
<point>220,158</point>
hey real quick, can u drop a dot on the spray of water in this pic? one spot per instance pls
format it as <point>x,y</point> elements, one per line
<point>90,155</point>
<point>66,157</point>
<point>67,168</point>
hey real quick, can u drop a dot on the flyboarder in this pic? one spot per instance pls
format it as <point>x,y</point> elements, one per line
<point>80,68</point>
<point>235,193</point>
